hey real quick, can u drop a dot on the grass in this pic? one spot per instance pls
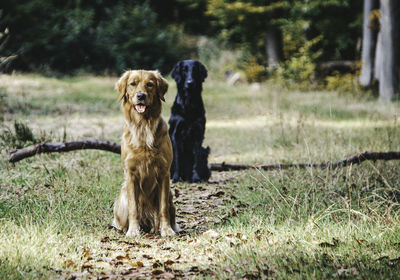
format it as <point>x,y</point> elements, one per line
<point>298,224</point>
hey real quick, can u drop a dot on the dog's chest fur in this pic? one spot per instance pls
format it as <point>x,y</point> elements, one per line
<point>142,134</point>
<point>145,159</point>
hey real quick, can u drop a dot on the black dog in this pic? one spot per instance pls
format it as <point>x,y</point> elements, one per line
<point>187,124</point>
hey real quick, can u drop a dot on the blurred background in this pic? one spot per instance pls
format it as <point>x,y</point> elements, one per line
<point>301,44</point>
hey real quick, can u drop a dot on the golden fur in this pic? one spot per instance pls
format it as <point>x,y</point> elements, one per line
<point>145,199</point>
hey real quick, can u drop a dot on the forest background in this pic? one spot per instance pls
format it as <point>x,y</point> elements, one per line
<point>300,44</point>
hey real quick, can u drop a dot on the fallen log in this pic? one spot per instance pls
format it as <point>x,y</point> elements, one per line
<point>48,147</point>
<point>354,159</point>
<point>58,147</point>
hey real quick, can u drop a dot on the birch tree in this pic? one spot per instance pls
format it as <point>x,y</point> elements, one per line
<point>369,42</point>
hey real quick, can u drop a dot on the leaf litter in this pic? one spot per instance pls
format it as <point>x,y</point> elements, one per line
<point>200,207</point>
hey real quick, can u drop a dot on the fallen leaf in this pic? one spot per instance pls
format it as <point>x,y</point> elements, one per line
<point>168,262</point>
<point>194,269</point>
<point>230,238</point>
<point>218,194</point>
<point>329,245</point>
<point>360,241</point>
<point>132,274</point>
<point>157,264</point>
<point>251,275</point>
<point>157,272</point>
<point>105,239</point>
<point>121,258</point>
<point>128,271</point>
<point>69,263</point>
<point>87,266</point>
<point>86,253</point>
<point>211,233</point>
<point>233,212</point>
<point>78,275</point>
<point>166,275</point>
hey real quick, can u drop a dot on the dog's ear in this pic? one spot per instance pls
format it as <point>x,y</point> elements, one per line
<point>121,85</point>
<point>176,72</point>
<point>162,85</point>
<point>203,71</point>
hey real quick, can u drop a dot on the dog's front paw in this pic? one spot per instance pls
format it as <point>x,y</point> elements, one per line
<point>175,178</point>
<point>133,231</point>
<point>167,231</point>
<point>176,228</point>
<point>196,178</point>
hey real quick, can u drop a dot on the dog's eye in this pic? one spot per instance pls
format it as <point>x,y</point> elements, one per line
<point>149,84</point>
<point>133,84</point>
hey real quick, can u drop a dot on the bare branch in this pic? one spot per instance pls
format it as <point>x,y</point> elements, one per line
<point>47,147</point>
<point>354,159</point>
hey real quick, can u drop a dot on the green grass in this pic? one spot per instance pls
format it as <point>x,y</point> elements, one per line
<point>55,210</point>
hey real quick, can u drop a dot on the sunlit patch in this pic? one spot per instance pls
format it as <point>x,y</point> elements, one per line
<point>266,121</point>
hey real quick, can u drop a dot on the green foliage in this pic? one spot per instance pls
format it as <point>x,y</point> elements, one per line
<point>187,14</point>
<point>135,40</point>
<point>243,23</point>
<point>96,37</point>
<point>344,84</point>
<point>340,24</point>
<point>255,72</point>
<point>109,37</point>
<point>298,71</point>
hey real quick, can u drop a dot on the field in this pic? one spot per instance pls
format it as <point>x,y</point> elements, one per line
<point>55,210</point>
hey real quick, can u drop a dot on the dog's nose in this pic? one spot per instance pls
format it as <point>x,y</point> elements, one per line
<point>141,96</point>
<point>190,83</point>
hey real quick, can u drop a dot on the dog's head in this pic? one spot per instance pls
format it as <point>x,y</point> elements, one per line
<point>189,74</point>
<point>142,89</point>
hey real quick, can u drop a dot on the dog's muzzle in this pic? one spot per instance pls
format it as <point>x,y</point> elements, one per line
<point>189,84</point>
<point>140,108</point>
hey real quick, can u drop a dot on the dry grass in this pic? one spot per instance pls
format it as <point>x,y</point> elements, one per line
<point>302,224</point>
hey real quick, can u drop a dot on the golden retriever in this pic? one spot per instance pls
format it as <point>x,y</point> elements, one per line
<point>145,199</point>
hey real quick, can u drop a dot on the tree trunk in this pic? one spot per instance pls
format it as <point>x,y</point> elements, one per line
<point>378,57</point>
<point>368,43</point>
<point>273,46</point>
<point>388,77</point>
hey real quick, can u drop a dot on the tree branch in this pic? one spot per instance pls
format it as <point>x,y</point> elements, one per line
<point>57,147</point>
<point>47,147</point>
<point>354,159</point>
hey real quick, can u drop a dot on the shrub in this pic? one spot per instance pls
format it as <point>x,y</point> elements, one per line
<point>343,83</point>
<point>255,72</point>
<point>298,71</point>
<point>93,37</point>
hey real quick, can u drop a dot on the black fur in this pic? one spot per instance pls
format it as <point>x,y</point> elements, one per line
<point>187,124</point>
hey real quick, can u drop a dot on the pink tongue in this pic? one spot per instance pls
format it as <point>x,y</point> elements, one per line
<point>140,108</point>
